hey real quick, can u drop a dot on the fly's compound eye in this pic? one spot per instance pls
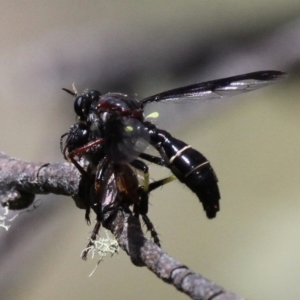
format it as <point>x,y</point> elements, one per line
<point>94,95</point>
<point>83,102</point>
<point>82,105</point>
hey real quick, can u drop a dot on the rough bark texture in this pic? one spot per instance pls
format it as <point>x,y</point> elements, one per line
<point>20,181</point>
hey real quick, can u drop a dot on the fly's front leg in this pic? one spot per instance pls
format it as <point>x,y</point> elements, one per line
<point>79,152</point>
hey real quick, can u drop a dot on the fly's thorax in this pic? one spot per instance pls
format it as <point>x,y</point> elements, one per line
<point>125,138</point>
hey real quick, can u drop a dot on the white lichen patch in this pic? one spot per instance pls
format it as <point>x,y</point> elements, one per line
<point>101,248</point>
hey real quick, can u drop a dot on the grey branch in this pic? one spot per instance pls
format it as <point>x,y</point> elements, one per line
<point>20,181</point>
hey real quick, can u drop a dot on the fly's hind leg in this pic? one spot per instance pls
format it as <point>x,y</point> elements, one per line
<point>150,227</point>
<point>92,240</point>
<point>141,208</point>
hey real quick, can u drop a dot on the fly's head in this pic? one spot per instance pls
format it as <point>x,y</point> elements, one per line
<point>80,133</point>
<point>82,103</point>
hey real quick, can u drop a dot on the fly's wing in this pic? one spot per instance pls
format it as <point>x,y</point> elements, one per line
<point>134,136</point>
<point>107,189</point>
<point>120,186</point>
<point>218,88</point>
<point>128,184</point>
<point>110,191</point>
<point>130,139</point>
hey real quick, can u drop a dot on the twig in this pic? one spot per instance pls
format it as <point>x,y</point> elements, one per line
<point>20,181</point>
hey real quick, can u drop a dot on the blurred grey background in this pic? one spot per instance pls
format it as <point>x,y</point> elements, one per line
<point>142,48</point>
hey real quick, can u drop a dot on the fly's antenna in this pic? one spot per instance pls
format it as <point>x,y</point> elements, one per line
<point>74,92</point>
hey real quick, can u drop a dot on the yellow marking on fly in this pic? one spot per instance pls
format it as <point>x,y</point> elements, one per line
<point>153,115</point>
<point>128,128</point>
<point>146,182</point>
<point>169,179</point>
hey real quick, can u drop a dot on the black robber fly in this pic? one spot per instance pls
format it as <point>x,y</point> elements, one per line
<point>112,132</point>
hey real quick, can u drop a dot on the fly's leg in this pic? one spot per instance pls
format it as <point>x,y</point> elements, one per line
<point>142,207</point>
<point>153,159</point>
<point>79,152</point>
<point>98,196</point>
<point>86,175</point>
<point>150,227</point>
<point>92,240</point>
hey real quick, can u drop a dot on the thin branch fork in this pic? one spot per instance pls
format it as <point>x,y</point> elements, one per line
<point>20,181</point>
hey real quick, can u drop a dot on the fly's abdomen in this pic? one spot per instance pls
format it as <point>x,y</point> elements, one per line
<point>194,170</point>
<point>189,166</point>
